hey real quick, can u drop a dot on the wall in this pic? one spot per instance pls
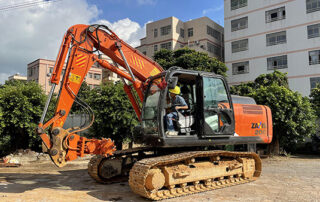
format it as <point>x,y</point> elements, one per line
<point>297,47</point>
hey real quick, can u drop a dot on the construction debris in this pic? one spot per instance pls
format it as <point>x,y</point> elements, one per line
<point>21,157</point>
<point>5,162</point>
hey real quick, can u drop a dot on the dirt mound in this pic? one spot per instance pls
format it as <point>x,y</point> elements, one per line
<point>25,157</point>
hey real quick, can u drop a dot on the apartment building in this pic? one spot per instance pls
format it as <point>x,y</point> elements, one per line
<point>17,77</point>
<point>107,75</point>
<point>200,34</point>
<point>40,71</point>
<point>266,35</point>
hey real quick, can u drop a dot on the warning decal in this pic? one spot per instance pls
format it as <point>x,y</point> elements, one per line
<point>75,78</point>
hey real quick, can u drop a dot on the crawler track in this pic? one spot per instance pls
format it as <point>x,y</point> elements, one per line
<point>95,163</point>
<point>93,169</point>
<point>139,173</point>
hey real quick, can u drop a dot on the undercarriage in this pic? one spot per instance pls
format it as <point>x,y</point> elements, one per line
<point>176,174</point>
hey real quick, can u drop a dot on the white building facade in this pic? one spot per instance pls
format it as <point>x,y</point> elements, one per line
<point>266,35</point>
<point>201,34</point>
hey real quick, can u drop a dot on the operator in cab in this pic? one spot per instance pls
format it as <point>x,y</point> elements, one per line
<point>177,103</point>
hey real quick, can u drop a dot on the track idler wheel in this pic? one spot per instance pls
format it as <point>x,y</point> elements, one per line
<point>155,179</point>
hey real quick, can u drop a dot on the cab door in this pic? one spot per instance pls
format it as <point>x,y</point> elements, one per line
<point>217,113</point>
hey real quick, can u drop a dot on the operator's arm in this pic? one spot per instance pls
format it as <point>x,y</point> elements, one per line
<point>181,102</point>
<point>182,107</point>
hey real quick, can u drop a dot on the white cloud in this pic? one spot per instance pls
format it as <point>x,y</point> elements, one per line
<point>36,32</point>
<point>211,10</point>
<point>146,2</point>
<point>129,31</point>
<point>3,77</point>
<point>131,2</point>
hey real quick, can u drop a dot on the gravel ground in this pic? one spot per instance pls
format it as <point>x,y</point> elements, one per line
<point>283,179</point>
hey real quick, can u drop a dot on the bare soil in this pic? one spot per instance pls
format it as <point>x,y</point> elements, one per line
<point>283,179</point>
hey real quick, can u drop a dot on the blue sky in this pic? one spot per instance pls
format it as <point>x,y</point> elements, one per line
<point>142,11</point>
<point>36,31</point>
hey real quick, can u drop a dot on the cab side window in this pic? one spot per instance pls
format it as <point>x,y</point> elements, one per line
<point>214,96</point>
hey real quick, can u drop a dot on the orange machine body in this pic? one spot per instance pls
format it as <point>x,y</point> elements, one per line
<point>253,120</point>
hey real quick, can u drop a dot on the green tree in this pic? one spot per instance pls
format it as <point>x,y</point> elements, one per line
<point>21,105</point>
<point>83,95</point>
<point>315,98</point>
<point>293,115</point>
<point>275,77</point>
<point>243,89</point>
<point>3,139</point>
<point>114,115</point>
<point>190,59</point>
<point>164,58</point>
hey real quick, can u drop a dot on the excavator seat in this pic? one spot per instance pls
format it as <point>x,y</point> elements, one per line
<point>185,118</point>
<point>183,122</point>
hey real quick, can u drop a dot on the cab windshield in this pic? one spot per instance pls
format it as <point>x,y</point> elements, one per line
<point>150,110</point>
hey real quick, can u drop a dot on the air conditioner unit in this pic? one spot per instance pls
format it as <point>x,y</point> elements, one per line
<point>197,42</point>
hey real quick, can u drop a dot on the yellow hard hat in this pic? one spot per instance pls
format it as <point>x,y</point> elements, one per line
<point>176,90</point>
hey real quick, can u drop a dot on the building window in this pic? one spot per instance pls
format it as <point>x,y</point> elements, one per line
<point>238,46</point>
<point>90,75</point>
<point>214,49</point>
<point>314,81</point>
<point>144,52</point>
<point>190,32</point>
<point>240,68</point>
<point>313,31</point>
<point>166,46</point>
<point>276,38</point>
<point>165,30</point>
<point>155,48</point>
<point>278,62</point>
<point>97,76</point>
<point>214,33</point>
<point>30,71</point>
<point>275,14</point>
<point>238,24</point>
<point>314,57</point>
<point>182,33</point>
<point>235,4</point>
<point>50,70</point>
<point>313,5</point>
<point>155,33</point>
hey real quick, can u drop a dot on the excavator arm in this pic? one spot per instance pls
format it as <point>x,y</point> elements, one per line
<point>81,46</point>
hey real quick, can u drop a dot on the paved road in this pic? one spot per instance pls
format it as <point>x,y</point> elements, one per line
<point>283,179</point>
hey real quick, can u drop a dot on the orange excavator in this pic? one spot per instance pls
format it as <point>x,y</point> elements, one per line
<point>166,165</point>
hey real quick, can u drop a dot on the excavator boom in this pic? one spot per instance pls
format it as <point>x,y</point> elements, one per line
<point>81,46</point>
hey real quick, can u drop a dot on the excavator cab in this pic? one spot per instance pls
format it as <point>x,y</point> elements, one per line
<point>209,114</point>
